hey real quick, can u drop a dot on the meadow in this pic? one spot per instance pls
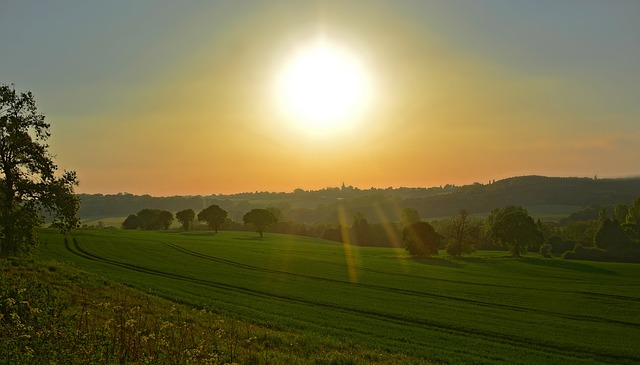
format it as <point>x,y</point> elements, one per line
<point>487,308</point>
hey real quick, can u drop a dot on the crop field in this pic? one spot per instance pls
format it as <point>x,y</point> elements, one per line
<point>487,308</point>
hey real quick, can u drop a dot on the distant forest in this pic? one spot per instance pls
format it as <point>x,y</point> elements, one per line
<point>547,198</point>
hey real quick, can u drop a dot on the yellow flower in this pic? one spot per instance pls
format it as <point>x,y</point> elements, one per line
<point>130,323</point>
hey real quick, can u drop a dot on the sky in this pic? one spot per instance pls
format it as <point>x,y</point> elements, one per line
<point>181,98</point>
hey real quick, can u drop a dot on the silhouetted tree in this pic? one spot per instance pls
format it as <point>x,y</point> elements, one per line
<point>261,220</point>
<point>409,216</point>
<point>421,239</point>
<point>213,216</point>
<point>462,233</point>
<point>360,229</point>
<point>497,214</point>
<point>610,235</point>
<point>276,213</point>
<point>186,217</point>
<point>166,218</point>
<point>28,182</point>
<point>517,230</point>
<point>154,219</point>
<point>132,222</point>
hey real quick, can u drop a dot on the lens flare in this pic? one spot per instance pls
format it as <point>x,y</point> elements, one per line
<point>346,244</point>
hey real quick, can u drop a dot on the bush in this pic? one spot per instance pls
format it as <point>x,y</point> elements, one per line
<point>587,253</point>
<point>545,250</point>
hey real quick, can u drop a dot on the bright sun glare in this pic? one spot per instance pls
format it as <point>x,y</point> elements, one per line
<point>323,88</point>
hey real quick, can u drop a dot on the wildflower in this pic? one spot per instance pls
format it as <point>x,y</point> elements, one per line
<point>107,323</point>
<point>130,323</point>
<point>22,290</point>
<point>10,302</point>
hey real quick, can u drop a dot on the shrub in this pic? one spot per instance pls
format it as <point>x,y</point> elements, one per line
<point>545,250</point>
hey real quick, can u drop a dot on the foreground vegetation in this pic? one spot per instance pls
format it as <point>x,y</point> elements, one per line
<point>484,309</point>
<point>51,313</point>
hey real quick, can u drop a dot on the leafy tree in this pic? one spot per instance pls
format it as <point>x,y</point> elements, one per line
<point>517,230</point>
<point>186,217</point>
<point>214,216</point>
<point>610,235</point>
<point>276,213</point>
<point>261,219</point>
<point>620,213</point>
<point>154,219</point>
<point>165,218</point>
<point>581,232</point>
<point>132,222</point>
<point>497,214</point>
<point>360,229</point>
<point>633,214</point>
<point>462,233</point>
<point>29,185</point>
<point>409,216</point>
<point>631,221</point>
<point>421,239</point>
<point>545,250</point>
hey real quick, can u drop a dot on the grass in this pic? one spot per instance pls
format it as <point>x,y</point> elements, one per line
<point>51,313</point>
<point>482,309</point>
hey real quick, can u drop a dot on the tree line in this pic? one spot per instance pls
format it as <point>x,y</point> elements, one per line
<point>511,228</point>
<point>213,217</point>
<point>319,206</point>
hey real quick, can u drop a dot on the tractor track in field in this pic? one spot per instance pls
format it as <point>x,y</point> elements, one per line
<point>402,291</point>
<point>490,336</point>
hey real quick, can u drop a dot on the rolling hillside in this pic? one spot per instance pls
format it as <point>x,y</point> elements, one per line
<point>486,308</point>
<point>550,197</point>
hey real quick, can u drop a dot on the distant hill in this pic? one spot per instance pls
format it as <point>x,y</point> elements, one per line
<point>530,191</point>
<point>543,196</point>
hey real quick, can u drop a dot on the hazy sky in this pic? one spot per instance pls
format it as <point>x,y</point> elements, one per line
<point>178,98</point>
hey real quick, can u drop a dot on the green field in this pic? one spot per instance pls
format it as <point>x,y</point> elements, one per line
<point>484,309</point>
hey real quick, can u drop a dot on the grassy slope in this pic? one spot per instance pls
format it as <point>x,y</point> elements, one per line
<point>481,309</point>
<point>54,313</point>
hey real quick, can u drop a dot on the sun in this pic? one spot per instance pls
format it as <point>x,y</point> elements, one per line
<point>323,88</point>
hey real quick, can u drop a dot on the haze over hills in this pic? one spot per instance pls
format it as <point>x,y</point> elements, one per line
<point>550,197</point>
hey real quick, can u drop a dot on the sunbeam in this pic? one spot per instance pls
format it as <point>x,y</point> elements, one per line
<point>391,233</point>
<point>346,244</point>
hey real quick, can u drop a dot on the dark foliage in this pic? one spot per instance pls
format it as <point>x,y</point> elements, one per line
<point>186,217</point>
<point>132,222</point>
<point>213,216</point>
<point>319,206</point>
<point>261,219</point>
<point>610,235</point>
<point>463,234</point>
<point>28,182</point>
<point>514,228</point>
<point>149,219</point>
<point>421,239</point>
